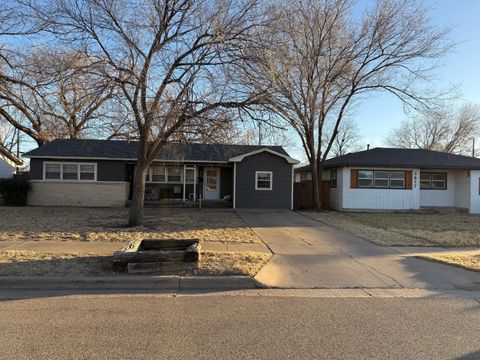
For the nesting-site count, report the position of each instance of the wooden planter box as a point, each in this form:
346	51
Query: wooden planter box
155	255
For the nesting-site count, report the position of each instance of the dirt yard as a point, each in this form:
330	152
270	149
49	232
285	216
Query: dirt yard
28	263
96	224
407	229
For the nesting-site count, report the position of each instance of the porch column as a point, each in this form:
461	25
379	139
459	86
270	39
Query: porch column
184	180
195	183
234	184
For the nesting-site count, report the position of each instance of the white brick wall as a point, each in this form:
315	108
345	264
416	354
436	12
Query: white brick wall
75	193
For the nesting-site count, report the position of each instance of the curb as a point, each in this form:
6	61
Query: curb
127	283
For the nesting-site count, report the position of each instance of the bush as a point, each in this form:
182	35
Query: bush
14	190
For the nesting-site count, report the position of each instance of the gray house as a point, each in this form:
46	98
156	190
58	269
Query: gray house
100	173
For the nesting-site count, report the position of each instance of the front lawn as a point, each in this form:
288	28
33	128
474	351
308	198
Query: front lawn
407	229
29	263
103	224
466	260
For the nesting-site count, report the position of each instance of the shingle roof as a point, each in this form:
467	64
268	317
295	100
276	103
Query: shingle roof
5	152
402	158
116	149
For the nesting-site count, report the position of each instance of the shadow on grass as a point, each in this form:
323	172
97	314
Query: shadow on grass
472	356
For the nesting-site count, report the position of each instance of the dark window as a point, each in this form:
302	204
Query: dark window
365	178
87	172
333	178
52	171
433	181
381	179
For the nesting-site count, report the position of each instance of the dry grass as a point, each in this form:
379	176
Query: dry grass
241	263
466	260
28	263
97	224
407	229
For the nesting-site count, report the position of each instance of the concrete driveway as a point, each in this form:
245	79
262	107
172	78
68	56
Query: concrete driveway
309	254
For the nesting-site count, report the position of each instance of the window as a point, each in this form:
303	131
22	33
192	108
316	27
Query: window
52	171
433	181
263	180
365	178
305	176
174	174
333	178
157	174
87	172
165	174
397	179
381	179
70	171
190	175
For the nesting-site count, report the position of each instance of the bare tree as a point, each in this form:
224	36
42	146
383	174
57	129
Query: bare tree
449	130
347	139
169	58
8	136
55	95
320	58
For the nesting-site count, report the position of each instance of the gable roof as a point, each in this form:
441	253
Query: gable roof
127	150
5	152
402	158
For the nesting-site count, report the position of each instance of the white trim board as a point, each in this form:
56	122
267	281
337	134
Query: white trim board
256	180
241	157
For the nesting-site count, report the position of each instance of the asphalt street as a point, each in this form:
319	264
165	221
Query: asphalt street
222	326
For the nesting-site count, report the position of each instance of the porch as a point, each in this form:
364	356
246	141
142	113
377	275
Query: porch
187	185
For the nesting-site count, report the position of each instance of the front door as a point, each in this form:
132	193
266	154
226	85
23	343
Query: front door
211	183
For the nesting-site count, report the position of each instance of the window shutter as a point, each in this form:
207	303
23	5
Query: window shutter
408	179
354	178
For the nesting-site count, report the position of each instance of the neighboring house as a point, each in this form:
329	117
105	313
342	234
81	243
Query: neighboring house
100	173
401	179
9	163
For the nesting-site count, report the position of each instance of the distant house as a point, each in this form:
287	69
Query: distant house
9	163
401	179
100	173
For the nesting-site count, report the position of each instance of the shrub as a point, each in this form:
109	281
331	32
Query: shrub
14	190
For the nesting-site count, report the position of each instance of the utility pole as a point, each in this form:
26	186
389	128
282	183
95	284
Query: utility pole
473	147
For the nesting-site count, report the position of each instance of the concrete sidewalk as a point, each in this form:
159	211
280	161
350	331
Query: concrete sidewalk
108	248
310	254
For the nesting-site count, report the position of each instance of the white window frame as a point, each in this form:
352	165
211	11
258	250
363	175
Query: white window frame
256	180
78	164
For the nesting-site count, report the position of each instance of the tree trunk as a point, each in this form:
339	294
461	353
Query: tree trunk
139	179
315	186
138	196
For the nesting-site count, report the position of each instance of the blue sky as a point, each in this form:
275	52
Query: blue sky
376	117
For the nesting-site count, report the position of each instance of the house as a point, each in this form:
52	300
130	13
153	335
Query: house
9	163
400	179
100	173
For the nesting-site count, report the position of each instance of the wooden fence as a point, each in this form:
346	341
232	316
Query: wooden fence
303	195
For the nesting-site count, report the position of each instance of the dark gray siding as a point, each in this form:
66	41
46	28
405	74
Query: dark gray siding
277	198
36	169
108	170
226	181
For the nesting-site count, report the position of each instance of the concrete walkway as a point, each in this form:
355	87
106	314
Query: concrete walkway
309	254
108	248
